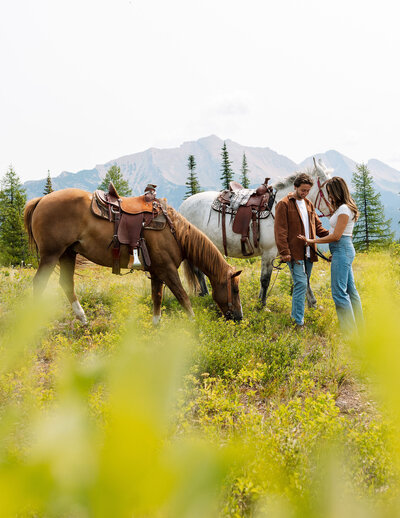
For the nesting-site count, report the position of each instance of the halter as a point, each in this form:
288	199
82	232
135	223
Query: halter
321	196
229	313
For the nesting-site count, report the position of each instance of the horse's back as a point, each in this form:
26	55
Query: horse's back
196	208
67	195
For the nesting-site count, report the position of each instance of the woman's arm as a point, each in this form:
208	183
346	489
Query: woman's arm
320	231
341	224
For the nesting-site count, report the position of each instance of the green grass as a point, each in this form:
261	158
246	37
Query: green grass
201	417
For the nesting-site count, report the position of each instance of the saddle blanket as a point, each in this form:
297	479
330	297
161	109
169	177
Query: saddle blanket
240	197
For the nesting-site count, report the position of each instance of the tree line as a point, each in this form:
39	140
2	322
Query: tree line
227	174
371	230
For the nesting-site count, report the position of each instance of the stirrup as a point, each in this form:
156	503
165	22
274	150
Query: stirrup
134	261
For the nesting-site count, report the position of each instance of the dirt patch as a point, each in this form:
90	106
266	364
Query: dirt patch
352	401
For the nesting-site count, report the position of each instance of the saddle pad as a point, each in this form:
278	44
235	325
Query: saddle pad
217	206
136	205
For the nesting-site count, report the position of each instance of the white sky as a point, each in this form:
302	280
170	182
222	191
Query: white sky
86	81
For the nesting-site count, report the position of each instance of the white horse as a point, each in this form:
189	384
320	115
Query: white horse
197	209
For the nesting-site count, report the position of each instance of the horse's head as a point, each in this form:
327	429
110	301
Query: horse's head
226	295
318	194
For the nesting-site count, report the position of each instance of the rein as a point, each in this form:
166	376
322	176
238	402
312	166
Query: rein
323	256
278	265
321	197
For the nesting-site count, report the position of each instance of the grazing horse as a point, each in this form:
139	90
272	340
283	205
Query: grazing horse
197	209
61	225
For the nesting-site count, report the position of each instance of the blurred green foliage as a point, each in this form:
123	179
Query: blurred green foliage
198	418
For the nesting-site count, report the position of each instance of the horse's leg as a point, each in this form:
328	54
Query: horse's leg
67	268
172	280
45	269
202	281
265	278
311	300
157	286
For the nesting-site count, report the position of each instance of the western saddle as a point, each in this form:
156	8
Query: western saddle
130	216
246	206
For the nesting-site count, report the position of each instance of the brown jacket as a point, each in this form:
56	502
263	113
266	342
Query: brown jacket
288	225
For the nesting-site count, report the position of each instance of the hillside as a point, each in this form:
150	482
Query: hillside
167	168
202	417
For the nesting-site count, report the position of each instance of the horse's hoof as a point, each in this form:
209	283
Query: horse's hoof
261	306
83	321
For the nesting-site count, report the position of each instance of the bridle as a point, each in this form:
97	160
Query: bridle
229	313
321	197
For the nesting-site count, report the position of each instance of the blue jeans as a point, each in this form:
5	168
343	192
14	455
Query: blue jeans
344	291
300	283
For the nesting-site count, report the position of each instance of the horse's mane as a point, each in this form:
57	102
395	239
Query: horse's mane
198	248
289	180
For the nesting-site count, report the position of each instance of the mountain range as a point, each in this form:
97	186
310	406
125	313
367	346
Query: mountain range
167	168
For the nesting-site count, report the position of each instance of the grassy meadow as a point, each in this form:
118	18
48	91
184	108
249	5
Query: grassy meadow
202	417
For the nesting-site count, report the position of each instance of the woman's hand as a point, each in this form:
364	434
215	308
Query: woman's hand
307	241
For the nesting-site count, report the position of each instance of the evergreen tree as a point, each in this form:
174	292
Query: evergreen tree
226	170
192	183
114	175
14	246
371	228
48	188
244	178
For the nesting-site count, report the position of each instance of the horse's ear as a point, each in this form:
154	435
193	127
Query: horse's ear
236	274
315	162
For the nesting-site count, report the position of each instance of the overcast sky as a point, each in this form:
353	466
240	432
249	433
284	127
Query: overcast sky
87	81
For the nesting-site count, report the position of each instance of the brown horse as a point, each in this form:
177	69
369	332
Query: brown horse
61	225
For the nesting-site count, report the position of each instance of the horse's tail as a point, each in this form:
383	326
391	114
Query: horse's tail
28	213
190	276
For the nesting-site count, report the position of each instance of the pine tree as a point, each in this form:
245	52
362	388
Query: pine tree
48	188
114	175
244	178
14	246
227	173
192	183
371	229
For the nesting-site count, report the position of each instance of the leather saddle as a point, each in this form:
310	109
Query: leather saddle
247	207
130	216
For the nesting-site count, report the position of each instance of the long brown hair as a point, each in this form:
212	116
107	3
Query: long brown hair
339	193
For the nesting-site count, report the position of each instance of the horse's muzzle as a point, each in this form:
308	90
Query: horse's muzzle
236	316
